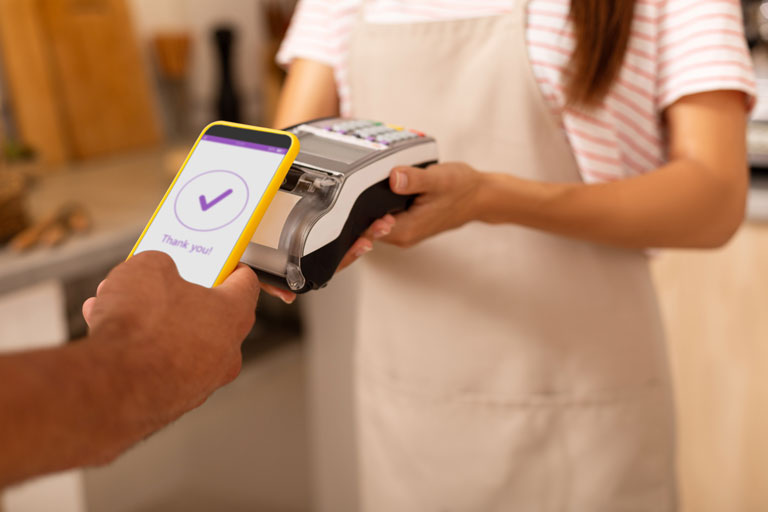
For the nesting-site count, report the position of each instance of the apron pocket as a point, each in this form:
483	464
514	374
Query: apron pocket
492	455
489	458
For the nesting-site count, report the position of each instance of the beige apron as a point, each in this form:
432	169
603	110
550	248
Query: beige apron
500	368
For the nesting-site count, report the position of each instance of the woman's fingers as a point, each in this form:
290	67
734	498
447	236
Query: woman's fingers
286	296
379	229
358	249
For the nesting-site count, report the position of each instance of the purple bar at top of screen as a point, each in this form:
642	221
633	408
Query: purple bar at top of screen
244	144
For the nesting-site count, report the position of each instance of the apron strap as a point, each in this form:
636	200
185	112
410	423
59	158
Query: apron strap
361	11
521	8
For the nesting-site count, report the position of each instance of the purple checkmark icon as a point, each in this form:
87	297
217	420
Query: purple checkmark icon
205	205
198	193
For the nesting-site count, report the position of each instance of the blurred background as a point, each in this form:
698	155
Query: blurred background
100	100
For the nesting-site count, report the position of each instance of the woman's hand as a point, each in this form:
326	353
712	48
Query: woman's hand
447	199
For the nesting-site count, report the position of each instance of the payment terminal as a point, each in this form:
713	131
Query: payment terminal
337	186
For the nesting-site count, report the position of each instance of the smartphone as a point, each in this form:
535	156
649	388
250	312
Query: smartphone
212	208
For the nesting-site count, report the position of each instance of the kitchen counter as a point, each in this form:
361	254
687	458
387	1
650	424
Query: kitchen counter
120	193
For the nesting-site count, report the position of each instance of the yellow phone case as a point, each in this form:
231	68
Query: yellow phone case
261	208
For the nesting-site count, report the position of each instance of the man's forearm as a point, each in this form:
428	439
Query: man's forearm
159	347
67	407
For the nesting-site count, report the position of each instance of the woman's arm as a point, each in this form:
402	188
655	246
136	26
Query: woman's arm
309	92
697	200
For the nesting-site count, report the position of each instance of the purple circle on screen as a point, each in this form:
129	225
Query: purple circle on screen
181	190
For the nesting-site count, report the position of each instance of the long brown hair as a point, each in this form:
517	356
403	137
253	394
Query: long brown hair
602	30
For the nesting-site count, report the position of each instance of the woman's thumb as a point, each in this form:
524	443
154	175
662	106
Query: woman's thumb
407	180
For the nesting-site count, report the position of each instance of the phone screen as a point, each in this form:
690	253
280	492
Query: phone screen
215	195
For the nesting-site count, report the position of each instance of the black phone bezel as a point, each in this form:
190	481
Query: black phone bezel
277	140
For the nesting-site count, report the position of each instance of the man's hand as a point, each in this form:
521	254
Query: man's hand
158	347
190	335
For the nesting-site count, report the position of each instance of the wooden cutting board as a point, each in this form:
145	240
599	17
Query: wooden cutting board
30	82
78	83
103	80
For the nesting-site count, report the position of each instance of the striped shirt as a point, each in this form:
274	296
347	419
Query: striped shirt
676	48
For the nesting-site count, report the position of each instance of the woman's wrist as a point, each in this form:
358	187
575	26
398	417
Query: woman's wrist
482	197
507	199
487	207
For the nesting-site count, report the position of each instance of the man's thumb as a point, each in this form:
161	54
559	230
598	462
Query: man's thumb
243	283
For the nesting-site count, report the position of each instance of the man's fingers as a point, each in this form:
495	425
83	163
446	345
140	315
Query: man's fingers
409	180
88	309
243	283
286	296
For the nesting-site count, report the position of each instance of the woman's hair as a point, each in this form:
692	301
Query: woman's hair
602	35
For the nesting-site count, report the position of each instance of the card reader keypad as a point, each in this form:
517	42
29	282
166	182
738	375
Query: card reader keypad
373	131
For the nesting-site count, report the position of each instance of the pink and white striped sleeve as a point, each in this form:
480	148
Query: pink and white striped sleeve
701	47
321	30
311	34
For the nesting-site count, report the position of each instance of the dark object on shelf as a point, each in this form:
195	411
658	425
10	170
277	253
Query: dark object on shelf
228	102
751	15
